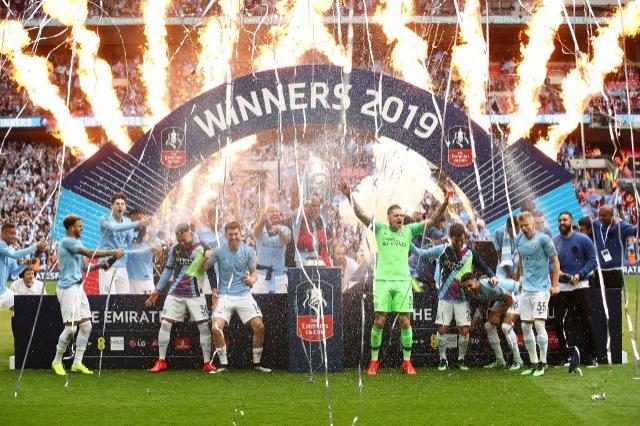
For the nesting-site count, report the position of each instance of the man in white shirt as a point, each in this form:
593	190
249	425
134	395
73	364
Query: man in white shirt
25	286
28	285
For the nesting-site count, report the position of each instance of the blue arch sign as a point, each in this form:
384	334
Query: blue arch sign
492	178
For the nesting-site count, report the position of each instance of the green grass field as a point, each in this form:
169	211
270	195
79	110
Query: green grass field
242	397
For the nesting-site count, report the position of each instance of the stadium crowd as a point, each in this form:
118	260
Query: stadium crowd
186	8
186	82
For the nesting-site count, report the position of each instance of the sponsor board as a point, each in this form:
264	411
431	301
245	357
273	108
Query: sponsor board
116	343
182	343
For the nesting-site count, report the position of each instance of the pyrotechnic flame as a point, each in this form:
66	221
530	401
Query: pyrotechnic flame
94	73
303	30
32	73
216	172
203	184
410	50
154	68
587	79
532	71
469	58
217	41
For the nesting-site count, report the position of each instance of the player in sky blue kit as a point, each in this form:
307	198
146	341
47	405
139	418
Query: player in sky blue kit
504	241
140	259
237	273
116	232
536	250
501	297
185	294
8	265
271	244
74	305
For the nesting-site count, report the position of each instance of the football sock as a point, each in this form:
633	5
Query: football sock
530	342
222	355
442	346
84	331
205	341
542	339
406	339
63	342
512	340
463	344
163	338
257	355
376	342
494	340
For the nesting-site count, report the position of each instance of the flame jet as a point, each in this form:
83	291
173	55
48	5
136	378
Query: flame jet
217	42
410	50
94	73
532	71
32	73
303	30
155	65
587	79
470	60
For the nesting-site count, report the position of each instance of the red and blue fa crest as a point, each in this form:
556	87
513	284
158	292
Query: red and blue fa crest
314	316
459	152
174	152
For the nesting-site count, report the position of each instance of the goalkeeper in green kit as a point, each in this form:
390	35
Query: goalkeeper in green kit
392	290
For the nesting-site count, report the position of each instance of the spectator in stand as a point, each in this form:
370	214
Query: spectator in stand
311	235
347	265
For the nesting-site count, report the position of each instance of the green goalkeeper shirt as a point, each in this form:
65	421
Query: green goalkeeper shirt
393	250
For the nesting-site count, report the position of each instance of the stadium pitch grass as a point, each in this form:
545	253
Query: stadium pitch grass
245	397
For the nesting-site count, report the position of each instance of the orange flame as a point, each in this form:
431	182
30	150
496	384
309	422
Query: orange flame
154	67
533	69
32	73
471	61
587	79
94	73
303	30
217	41
410	50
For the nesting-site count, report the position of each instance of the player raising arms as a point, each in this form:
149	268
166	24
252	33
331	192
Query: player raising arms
185	294
536	250
392	291
501	299
74	305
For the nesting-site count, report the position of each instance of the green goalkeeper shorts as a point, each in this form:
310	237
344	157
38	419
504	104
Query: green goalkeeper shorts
392	296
